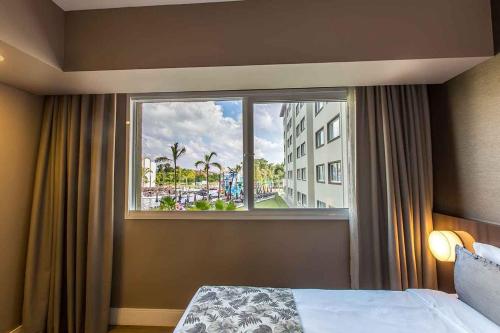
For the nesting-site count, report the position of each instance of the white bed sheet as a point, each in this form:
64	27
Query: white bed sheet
363	311
411	311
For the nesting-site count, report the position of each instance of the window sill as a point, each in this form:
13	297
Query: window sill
261	214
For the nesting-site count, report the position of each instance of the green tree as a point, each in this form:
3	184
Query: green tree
206	164
177	152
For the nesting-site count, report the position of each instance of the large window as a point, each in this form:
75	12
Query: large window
335	172
320	173
320	138
234	152
333	128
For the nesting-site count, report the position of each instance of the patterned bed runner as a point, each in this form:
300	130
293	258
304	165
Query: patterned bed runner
242	310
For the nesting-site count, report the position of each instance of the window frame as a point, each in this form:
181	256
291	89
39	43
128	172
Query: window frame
249	98
340	128
335	182
322	130
317	173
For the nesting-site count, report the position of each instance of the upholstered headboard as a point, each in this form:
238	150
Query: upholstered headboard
480	231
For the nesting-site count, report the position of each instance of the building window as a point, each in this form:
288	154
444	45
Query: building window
303	149
333	129
299	198
320	204
187	152
318	106
335	172
320	138
320	173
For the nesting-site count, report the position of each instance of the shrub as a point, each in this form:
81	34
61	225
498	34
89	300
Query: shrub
230	206
203	205
219	205
167	203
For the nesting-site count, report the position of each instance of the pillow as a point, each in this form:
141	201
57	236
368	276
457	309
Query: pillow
489	252
477	282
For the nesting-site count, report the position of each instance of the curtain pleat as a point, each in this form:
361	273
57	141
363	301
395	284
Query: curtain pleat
69	259
393	188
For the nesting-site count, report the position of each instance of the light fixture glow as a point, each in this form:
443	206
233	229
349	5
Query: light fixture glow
2	58
442	245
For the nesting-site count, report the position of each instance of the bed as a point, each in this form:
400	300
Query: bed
331	311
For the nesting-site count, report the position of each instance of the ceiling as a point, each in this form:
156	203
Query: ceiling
69	5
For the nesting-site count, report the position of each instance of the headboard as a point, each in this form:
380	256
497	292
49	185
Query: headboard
480	231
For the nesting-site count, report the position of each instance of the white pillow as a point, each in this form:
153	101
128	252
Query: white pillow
489	252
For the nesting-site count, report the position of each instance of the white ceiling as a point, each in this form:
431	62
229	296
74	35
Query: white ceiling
68	5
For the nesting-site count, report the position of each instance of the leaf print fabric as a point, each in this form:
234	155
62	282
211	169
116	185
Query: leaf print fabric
221	309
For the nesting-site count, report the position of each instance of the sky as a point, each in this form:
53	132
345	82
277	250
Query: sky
208	126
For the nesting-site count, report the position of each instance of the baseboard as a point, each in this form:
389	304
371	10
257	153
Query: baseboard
17	330
145	317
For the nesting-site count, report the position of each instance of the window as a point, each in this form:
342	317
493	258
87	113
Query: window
335	172
320	173
320	204
320	138
193	152
318	107
333	129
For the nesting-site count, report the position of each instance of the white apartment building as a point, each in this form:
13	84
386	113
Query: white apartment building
315	149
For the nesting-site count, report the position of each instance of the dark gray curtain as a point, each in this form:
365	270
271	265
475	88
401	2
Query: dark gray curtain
393	188
68	269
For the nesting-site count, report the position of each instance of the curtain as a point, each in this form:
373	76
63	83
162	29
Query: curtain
69	258
392	198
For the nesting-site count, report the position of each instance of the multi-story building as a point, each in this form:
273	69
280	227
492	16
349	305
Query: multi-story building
315	150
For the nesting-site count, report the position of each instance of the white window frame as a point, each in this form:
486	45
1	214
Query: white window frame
249	99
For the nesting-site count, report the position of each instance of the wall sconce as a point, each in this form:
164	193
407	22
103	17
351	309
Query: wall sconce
442	245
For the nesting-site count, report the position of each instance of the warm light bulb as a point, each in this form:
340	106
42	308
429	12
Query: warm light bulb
2	58
442	245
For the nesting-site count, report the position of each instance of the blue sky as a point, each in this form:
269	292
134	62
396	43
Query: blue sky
203	127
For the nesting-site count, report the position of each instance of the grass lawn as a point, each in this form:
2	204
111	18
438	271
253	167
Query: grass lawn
276	202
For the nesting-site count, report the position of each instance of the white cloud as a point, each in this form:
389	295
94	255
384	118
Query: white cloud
199	126
202	127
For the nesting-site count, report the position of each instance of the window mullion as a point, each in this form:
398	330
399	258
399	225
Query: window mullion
248	152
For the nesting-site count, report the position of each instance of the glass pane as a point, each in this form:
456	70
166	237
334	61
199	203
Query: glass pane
292	159
192	154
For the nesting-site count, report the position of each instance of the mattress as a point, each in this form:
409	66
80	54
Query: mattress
410	311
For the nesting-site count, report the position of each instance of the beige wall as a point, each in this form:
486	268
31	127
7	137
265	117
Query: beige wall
466	143
161	263
256	32
35	27
20	120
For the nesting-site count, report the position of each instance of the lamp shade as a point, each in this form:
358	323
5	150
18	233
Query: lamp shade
442	245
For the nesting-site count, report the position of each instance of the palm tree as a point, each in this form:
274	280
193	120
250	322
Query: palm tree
177	152
233	172
206	164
